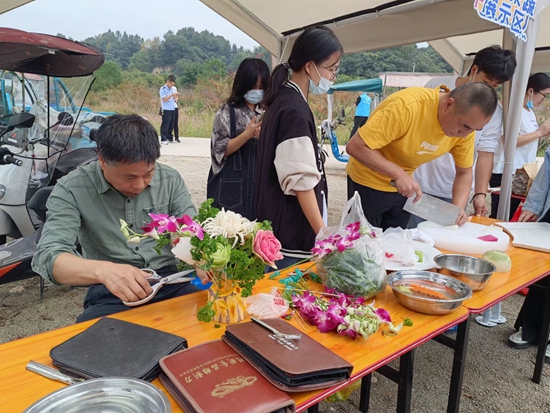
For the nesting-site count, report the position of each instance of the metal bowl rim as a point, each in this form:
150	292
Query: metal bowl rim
464	272
438	275
141	384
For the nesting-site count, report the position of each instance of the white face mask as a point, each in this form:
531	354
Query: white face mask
254	96
323	86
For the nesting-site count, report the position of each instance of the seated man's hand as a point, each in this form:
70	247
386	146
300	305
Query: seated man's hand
408	187
126	282
203	275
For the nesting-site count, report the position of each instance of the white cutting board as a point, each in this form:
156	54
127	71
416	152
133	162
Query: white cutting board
464	239
530	235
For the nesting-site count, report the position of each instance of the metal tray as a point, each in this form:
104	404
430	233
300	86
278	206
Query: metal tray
109	394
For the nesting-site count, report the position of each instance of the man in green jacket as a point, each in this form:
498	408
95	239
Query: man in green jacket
125	183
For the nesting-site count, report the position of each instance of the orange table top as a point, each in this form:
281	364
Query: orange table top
20	388
528	266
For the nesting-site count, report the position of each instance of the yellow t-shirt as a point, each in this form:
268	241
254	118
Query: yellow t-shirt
405	129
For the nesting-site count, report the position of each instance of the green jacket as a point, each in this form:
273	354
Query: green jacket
84	206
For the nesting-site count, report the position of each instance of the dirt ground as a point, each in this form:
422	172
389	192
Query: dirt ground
496	377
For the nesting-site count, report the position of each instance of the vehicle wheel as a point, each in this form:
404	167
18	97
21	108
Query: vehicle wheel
323	156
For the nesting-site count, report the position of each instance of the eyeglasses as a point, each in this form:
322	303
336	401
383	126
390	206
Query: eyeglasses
543	95
333	71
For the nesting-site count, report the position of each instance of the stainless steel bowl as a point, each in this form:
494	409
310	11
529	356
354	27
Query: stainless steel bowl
109	394
456	290
475	272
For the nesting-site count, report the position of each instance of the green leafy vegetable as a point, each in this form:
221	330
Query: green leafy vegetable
352	273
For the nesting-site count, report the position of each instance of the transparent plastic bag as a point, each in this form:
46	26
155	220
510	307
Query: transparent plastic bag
399	246
345	393
265	305
358	270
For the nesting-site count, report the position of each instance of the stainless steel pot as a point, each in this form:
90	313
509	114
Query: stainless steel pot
456	291
472	271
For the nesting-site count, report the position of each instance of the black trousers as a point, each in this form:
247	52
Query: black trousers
175	126
382	209
496	180
99	301
530	315
358	121
167	125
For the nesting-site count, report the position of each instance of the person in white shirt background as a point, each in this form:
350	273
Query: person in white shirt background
493	66
175	127
538	88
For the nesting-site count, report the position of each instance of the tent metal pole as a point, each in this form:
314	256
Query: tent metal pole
524	55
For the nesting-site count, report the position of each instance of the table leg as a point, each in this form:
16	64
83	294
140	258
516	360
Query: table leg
313	409
543	340
404	392
459	362
364	400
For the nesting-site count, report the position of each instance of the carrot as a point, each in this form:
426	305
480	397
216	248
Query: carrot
417	288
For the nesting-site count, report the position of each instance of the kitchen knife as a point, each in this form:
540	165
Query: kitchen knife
432	209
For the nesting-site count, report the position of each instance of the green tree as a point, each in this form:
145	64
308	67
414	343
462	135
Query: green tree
107	76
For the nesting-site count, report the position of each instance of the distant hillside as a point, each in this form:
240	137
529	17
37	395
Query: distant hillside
189	54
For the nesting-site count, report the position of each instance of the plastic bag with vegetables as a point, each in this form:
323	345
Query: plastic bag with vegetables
350	257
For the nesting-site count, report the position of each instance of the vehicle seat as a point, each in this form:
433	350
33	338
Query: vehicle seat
38	202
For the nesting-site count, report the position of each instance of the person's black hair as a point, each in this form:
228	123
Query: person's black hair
127	139
497	63
475	94
315	44
538	82
171	78
246	77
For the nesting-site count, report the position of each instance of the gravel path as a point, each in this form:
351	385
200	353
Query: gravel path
496	379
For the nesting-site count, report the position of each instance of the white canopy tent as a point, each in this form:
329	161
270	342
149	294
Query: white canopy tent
375	24
532	57
7	5
359	24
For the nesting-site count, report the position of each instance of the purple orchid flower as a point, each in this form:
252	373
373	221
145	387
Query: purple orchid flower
163	223
324	321
354	227
383	315
187	224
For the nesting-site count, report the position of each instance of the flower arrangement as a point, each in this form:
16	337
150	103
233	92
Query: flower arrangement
334	311
232	250
351	260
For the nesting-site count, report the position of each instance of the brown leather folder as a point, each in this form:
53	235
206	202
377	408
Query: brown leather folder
291	365
212	377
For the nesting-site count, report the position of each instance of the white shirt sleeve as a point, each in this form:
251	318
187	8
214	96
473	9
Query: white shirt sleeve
491	133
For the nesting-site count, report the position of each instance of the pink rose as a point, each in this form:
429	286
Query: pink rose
267	247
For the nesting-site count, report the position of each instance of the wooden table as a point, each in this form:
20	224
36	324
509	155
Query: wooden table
528	267
20	388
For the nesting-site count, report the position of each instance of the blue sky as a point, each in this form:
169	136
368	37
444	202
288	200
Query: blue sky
148	18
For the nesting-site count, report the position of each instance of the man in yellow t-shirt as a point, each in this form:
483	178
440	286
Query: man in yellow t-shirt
409	128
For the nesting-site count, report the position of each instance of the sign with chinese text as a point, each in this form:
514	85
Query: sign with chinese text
513	14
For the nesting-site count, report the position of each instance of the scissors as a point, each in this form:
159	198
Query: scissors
156	281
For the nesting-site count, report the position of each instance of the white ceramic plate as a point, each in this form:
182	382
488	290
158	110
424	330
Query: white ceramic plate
428	263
